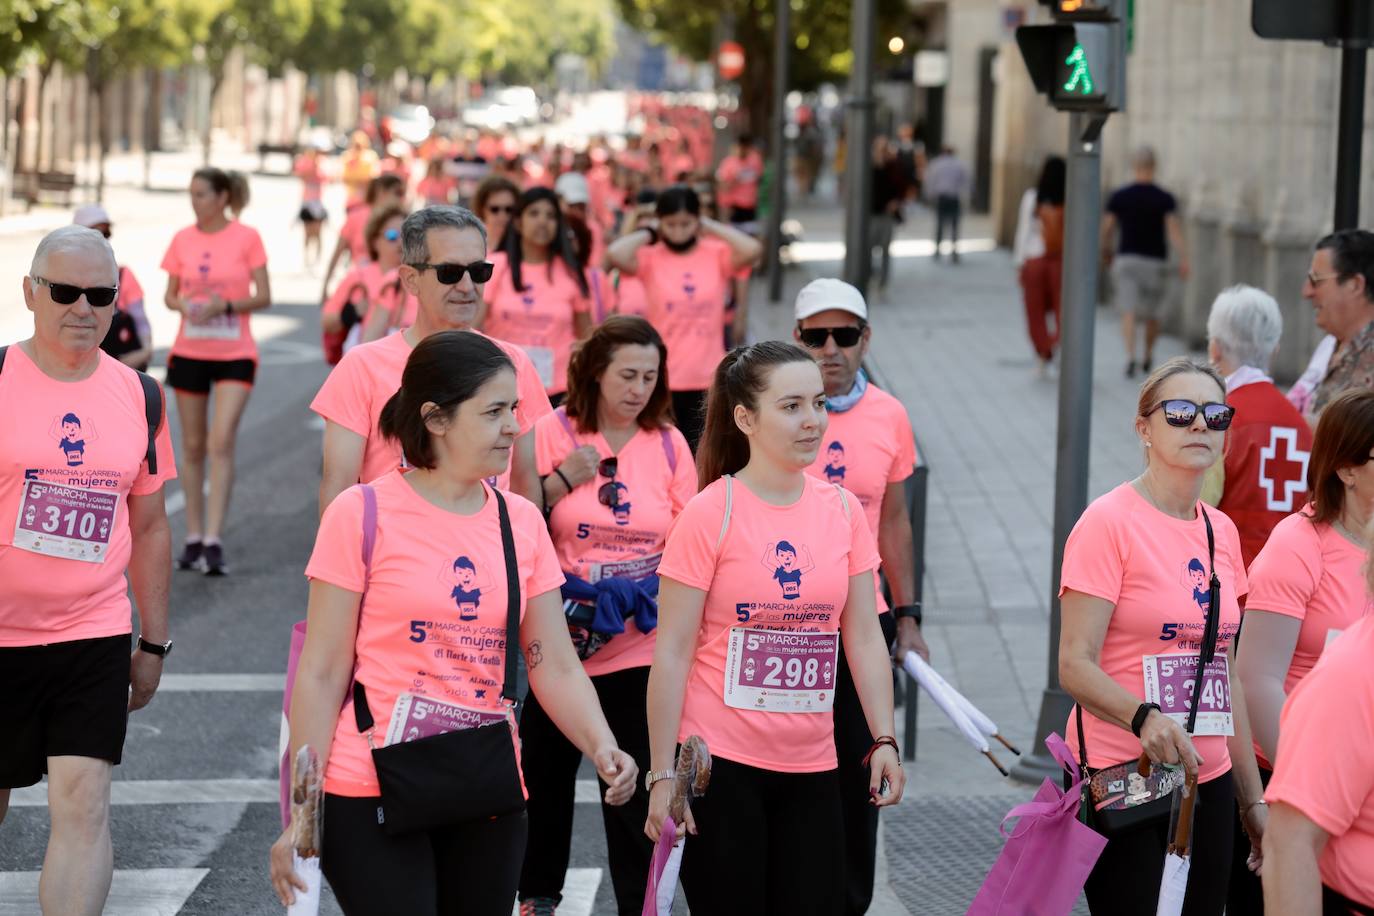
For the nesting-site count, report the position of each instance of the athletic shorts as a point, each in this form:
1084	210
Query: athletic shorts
1142	285
198	376
69	699
312	211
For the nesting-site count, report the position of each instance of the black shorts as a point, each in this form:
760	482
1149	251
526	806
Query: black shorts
743	214
312	211
198	376
71	700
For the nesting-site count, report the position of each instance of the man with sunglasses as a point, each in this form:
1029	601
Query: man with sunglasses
81	499
1340	286
871	430
443	250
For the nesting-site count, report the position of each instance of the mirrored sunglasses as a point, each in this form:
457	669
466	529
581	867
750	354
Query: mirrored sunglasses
1181	413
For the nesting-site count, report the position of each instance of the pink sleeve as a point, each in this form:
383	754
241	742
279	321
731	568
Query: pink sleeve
689	556
727	265
1285	574
130	291
344	397
147	483
684	485
863	551
905	460
1236	560
337	299
645	257
1093	563
544	457
534	400
171	261
337	557
726	172
253	251
545	572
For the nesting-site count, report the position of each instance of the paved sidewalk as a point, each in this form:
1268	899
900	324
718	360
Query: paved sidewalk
950	341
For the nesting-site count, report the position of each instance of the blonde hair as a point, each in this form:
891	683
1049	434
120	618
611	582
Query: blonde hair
1179	365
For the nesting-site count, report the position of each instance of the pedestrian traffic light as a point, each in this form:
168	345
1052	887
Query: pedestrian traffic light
1080	60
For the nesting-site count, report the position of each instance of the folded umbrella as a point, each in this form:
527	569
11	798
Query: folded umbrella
692	777
954	705
976	715
1173	885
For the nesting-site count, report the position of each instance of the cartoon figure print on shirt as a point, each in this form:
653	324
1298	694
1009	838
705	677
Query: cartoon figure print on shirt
1196	578
621	508
72	435
466	592
834	462
788	563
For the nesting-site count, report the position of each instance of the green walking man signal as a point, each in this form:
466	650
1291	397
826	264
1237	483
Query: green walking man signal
1079	62
1080	78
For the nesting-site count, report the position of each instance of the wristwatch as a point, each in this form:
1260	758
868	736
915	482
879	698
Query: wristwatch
908	610
654	776
159	649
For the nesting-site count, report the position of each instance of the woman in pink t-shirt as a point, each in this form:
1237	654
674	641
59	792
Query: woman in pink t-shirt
1306	587
433	630
494	204
216	277
538	296
763	573
615	474
1136	603
382	191
310	169
367	293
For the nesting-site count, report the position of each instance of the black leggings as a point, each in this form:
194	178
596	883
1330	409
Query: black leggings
550	762
469	869
689	415
1125	881
1246	896
767	843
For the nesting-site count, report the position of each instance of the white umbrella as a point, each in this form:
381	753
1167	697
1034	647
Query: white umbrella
1173	886
307	809
955	706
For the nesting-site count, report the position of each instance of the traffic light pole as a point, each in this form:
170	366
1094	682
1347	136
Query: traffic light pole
1350	135
858	191
1082	226
777	198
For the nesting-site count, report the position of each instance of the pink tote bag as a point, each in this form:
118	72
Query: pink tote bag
1048	854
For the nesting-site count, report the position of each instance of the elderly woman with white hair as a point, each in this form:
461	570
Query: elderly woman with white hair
1262	476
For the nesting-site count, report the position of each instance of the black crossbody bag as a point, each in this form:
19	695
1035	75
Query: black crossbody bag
464	775
1127	795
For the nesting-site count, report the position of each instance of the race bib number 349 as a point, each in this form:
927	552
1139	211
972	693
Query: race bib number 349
781	671
1171	681
61	521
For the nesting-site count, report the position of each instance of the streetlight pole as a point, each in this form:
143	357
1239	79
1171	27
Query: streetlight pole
777	197
858	253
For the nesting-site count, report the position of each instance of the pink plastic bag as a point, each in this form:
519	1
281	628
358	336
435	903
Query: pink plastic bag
298	644
663	871
1048	854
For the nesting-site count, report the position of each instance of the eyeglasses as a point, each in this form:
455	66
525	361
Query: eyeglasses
66	294
449	274
1316	279
391	235
815	338
1182	413
499	209
609	493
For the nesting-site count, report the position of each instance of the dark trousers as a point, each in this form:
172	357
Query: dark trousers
947	210
852	741
550	763
689	413
1125	881
767	843
1042	284
469	869
1246	895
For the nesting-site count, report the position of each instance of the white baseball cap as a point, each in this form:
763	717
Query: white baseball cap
828	293
90	216
572	187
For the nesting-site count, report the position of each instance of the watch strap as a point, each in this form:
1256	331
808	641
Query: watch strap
154	648
908	610
654	776
1141	714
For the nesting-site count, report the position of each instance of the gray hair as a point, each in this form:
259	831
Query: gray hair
1143	157
1246	324
415	230
73	238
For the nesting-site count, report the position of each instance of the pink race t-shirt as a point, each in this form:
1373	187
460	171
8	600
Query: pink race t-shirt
596	541
433	621
1326	740
64	548
220	262
1154	569
539	319
631	297
867	448
739	178
775	586
368	375
686	296
361	281
312	176
353	232
129	290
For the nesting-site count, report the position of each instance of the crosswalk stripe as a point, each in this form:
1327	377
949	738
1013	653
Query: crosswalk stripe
134	891
579	892
210	792
225	683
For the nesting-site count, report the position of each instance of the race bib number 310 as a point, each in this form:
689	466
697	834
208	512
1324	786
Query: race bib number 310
69	522
1171	680
781	671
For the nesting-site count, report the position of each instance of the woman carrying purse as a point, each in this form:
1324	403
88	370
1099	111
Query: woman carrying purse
424	806
1142	570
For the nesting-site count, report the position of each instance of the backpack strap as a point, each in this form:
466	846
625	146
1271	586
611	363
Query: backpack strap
729	500
2	356
369	525
597	298
567	425
669	452
844	500
152	410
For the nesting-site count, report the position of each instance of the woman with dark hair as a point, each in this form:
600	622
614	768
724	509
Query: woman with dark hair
417	543
494	204
687	264
538	296
216	276
615	474
1042	273
366	296
1306	588
382	191
745	658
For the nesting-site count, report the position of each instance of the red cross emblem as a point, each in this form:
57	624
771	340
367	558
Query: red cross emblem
1283	469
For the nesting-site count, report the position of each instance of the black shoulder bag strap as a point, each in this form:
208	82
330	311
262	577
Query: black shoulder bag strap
152	409
362	714
1206	653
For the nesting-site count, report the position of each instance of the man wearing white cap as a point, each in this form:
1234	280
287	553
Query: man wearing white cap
576	195
869	448
130	338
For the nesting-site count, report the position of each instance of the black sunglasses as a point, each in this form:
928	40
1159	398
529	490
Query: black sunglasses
609	493
844	337
66	294
1178	412
449	274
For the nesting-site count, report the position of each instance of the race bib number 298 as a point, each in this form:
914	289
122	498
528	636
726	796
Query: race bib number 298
781	671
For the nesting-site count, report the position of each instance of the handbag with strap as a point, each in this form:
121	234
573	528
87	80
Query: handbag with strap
463	775
1127	795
